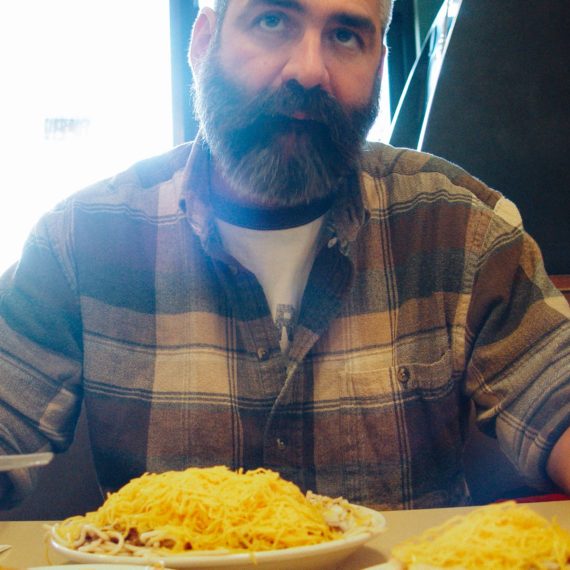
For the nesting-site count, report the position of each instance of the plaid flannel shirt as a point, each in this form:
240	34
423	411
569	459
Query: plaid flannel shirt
426	295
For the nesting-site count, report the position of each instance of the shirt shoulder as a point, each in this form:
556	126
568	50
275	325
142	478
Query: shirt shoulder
426	172
424	189
126	208
136	187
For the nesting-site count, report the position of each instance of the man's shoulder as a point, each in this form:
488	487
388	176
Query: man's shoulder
158	169
139	199
135	185
397	166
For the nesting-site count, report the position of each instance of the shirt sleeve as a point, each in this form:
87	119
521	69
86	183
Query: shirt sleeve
40	350
519	367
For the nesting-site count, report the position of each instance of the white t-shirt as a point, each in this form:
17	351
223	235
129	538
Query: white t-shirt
281	260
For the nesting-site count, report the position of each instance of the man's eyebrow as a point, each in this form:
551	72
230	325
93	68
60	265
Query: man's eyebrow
354	21
291	4
344	18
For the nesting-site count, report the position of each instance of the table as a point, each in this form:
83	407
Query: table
29	549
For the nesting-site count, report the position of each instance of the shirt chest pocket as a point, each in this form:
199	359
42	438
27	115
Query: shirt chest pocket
376	414
425	381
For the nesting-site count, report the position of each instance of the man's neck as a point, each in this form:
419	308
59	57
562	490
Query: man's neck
247	212
256	218
219	186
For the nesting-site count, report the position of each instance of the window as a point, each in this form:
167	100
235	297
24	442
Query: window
86	91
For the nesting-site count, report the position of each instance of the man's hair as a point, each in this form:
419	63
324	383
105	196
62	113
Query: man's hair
385	6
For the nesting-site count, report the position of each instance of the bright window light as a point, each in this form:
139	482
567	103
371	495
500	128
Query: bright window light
86	91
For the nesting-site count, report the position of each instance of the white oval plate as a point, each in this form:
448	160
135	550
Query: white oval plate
296	558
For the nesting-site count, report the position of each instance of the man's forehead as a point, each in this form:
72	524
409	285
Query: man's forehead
362	13
212	3
370	6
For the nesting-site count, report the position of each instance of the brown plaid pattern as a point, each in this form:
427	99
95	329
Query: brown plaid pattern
427	294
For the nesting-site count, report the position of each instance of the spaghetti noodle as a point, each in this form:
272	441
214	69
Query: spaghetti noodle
503	536
208	509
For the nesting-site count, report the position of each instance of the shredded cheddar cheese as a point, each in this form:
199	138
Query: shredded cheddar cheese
504	536
200	509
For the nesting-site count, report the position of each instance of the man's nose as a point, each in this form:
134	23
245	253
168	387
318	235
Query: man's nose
306	63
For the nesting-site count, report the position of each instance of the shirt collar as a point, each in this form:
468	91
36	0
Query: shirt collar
348	213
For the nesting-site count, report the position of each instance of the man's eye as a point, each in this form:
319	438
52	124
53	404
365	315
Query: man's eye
271	22
347	38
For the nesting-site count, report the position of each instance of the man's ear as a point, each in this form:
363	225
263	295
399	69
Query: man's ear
202	35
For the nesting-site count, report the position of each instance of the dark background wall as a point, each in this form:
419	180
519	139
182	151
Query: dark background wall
501	110
411	21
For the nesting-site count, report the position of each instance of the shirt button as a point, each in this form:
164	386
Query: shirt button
262	354
332	242
403	375
281	445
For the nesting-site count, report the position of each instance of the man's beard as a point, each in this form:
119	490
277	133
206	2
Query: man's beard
268	156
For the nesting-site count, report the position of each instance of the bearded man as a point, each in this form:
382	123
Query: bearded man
281	293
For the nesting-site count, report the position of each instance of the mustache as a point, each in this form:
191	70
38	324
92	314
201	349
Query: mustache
289	100
264	116
280	110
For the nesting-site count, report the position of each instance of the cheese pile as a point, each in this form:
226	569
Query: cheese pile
201	509
503	536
